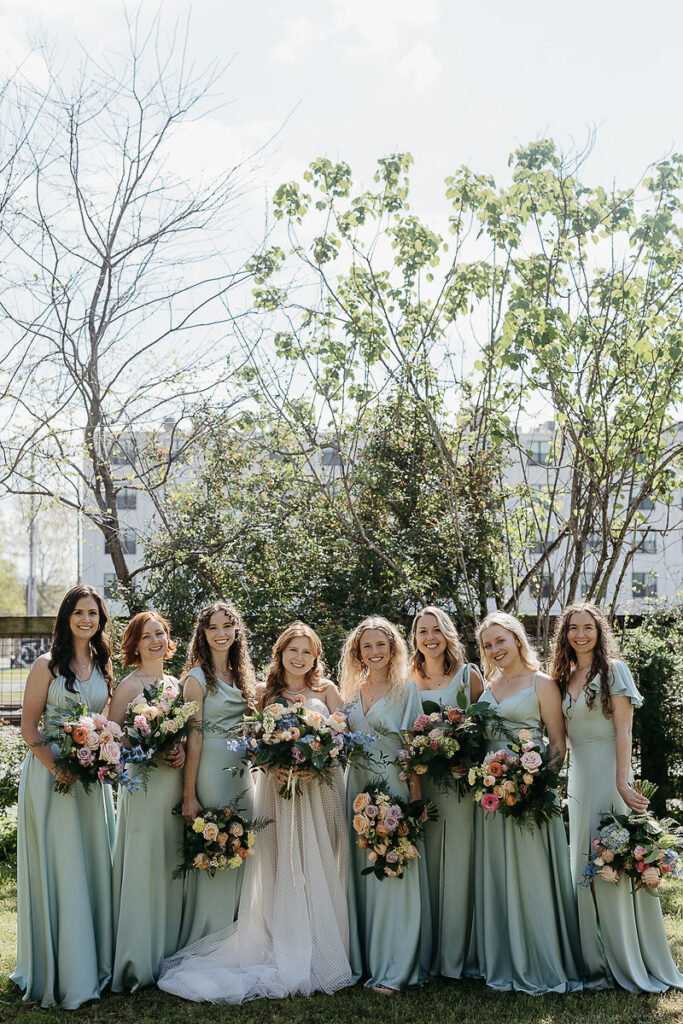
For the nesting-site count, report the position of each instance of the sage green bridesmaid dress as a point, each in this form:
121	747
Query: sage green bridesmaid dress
65	932
389	920
525	935
449	843
622	933
148	901
212	903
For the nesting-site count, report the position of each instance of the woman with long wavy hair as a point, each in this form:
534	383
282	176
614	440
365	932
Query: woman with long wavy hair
390	921
622	932
292	933
219	676
439	669
64	943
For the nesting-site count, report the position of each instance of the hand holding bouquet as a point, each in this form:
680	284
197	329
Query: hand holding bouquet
297	740
218	839
389	829
520	783
89	749
158	720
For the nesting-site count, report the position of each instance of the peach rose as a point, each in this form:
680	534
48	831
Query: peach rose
111	752
499	791
510	799
210	832
489	780
222	839
403	829
372	856
361	823
361	802
380	849
80	734
528	779
381	829
608	874
509	786
651	877
235	829
363	842
525	735
607	856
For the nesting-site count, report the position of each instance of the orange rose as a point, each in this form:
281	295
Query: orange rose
361	802
381	829
222	839
510	799
210	832
363	842
499	791
403	829
495	768
80	734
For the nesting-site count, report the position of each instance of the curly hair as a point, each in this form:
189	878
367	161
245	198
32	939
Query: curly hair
453	657
604	653
352	670
239	660
131	637
511	625
62	645
275	679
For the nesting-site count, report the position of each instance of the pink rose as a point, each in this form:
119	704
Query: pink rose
67	727
531	761
85	756
140	723
111	752
608	874
639	852
607	856
92	740
102	772
171	726
116	730
100	721
420	722
640	865
490	802
651	877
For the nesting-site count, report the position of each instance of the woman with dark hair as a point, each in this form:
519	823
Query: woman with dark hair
64	943
219	675
148	900
622	932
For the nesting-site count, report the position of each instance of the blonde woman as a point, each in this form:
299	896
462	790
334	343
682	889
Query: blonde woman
390	921
439	670
525	934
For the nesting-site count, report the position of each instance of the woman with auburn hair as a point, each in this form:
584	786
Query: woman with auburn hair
292	932
525	935
64	942
148	901
219	676
390	921
440	672
622	932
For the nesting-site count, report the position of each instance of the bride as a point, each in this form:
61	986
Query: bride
291	936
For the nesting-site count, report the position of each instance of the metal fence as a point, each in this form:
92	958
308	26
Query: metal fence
22	640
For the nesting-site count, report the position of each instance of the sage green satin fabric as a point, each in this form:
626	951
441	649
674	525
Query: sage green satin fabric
525	935
625	939
389	920
65	931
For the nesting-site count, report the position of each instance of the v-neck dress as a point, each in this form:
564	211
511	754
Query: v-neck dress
622	933
211	904
64	841
525	935
449	845
389	920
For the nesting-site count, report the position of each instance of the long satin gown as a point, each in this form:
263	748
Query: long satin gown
390	920
449	843
148	901
525	934
64	841
212	903
622	933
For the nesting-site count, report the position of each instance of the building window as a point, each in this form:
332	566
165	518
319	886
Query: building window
122	452
594	542
644	585
647	543
127	498
539	452
110	583
330	457
128	543
646	505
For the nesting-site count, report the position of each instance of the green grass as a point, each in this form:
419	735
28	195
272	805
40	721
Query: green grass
437	1003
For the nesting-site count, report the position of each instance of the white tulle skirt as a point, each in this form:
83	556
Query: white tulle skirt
292	932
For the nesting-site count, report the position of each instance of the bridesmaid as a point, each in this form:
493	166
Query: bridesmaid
526	932
220	677
622	933
64	946
148	901
389	920
440	672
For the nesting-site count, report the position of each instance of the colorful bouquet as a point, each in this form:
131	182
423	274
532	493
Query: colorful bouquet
445	742
88	747
389	829
520	783
158	719
296	739
635	846
219	839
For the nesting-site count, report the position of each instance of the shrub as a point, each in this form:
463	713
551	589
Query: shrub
12	753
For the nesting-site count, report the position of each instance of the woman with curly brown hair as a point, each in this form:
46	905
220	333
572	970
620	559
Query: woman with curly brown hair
622	933
219	675
64	839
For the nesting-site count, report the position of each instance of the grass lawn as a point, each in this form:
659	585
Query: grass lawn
437	1003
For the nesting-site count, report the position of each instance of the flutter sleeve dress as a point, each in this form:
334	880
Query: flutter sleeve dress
389	919
622	933
64	841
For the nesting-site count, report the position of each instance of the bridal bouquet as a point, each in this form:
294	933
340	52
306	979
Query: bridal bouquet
158	719
389	829
444	743
635	846
89	747
219	839
297	739
519	784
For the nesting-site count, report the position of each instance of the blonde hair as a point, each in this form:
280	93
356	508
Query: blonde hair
453	657
352	671
511	625
275	679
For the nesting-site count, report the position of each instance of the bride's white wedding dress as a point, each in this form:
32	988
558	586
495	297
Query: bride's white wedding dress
291	936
